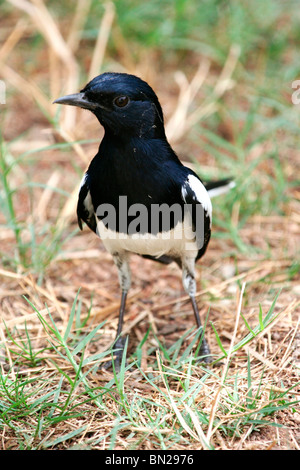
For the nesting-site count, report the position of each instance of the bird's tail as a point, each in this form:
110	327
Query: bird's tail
215	188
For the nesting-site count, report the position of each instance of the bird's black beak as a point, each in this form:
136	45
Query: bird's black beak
78	99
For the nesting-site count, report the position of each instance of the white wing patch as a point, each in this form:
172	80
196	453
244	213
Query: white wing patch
87	201
88	204
83	181
201	194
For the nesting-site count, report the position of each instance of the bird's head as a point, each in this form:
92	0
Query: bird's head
124	104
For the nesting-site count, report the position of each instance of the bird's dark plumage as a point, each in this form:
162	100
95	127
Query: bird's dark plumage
137	173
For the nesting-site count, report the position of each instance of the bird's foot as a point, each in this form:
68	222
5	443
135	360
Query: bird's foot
204	352
118	351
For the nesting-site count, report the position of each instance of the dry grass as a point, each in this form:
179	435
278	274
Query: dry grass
161	402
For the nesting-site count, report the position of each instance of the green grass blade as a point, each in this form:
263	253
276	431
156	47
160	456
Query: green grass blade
219	340
64	438
82	344
71	318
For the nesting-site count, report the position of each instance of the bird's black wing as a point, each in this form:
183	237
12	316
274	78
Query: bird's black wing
213	188
85	208
198	207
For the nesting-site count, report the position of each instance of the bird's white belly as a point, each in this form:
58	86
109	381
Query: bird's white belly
174	242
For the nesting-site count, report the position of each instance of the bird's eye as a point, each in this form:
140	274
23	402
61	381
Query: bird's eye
121	101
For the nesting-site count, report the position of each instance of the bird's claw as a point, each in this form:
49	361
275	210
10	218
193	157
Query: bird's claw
204	353
118	351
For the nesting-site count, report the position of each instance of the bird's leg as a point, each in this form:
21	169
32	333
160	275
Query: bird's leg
189	284
119	342
205	353
121	262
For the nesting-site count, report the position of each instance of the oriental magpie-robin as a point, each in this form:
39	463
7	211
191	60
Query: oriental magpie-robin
137	172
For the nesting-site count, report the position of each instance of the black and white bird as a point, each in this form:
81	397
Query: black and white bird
136	194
